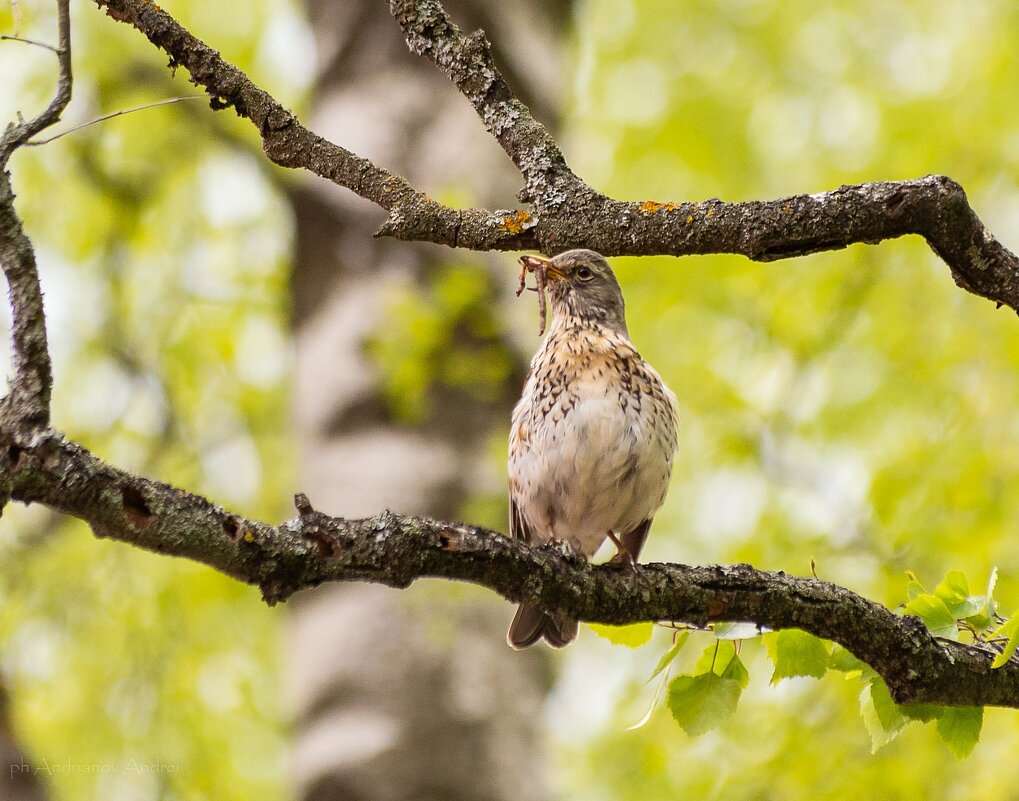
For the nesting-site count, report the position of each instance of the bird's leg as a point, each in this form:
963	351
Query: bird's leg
629	545
623	557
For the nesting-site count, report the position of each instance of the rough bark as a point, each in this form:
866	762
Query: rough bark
395	550
564	211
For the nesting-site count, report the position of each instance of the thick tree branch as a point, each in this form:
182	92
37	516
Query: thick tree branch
565	212
396	550
468	62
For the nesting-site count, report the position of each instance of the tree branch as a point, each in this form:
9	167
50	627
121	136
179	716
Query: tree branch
395	550
565	212
288	143
29	398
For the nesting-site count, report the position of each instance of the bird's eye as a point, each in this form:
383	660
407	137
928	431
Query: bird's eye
585	273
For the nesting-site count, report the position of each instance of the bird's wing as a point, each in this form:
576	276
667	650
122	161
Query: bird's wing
519	530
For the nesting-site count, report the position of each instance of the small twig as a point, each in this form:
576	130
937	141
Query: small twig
47	140
14	136
16	13
6	38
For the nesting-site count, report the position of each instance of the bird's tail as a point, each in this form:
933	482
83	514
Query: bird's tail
531	623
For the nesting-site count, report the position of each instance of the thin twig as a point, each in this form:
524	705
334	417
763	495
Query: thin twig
14	136
47	140
6	38
16	13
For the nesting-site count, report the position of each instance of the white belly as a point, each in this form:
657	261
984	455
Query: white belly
586	464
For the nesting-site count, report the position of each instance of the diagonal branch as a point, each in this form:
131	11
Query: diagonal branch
16	135
468	62
395	550
288	143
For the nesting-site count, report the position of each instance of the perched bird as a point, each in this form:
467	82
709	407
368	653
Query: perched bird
593	436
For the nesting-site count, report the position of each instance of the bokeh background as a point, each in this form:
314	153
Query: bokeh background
854	409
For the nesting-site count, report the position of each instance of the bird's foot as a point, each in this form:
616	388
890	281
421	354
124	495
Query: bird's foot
623	560
565	549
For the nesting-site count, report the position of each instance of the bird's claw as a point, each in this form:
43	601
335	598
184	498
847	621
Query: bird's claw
623	560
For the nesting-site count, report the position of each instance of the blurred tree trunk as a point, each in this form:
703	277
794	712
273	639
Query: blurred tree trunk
404	695
20	781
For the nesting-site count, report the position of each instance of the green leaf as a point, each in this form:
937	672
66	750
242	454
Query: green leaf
882	717
935	615
844	662
954	591
924	713
1009	629
715	658
735	631
632	636
984	618
671	654
914	588
954	585
737	671
702	703
796	653
960	728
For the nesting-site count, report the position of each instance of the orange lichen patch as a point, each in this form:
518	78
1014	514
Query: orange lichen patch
651	206
689	219
517	223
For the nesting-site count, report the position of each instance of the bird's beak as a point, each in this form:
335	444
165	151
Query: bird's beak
532	263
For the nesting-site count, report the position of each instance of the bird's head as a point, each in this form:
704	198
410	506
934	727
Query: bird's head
582	287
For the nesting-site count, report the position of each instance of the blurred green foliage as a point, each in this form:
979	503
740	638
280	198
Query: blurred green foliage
440	334
855	408
163	240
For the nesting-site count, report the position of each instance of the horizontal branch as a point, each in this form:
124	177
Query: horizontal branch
564	211
396	550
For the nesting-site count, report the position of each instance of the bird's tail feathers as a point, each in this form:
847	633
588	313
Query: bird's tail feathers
531	623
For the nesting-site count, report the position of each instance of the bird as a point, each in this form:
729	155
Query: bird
593	437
